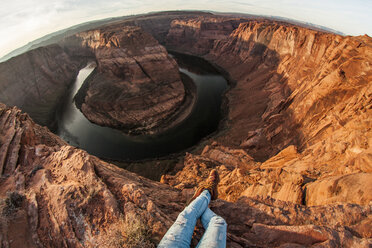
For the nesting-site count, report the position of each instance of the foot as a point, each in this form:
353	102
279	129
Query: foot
210	184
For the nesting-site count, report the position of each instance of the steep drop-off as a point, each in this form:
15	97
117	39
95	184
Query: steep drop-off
37	81
55	195
128	90
292	84
301	105
296	87
294	152
63	197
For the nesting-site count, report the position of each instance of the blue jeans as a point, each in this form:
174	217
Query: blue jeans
180	233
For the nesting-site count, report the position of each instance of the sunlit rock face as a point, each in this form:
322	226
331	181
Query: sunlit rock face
300	105
293	154
298	126
288	79
62	196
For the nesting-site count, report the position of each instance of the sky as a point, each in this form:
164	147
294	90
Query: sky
22	21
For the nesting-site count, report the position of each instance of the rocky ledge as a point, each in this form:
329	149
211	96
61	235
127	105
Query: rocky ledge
292	86
136	86
294	154
55	195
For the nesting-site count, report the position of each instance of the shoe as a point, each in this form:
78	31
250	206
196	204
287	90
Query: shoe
210	184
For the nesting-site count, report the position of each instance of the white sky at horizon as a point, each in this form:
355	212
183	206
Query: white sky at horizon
22	21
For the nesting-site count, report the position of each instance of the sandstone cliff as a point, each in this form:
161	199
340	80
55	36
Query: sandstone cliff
305	96
55	195
64	197
288	79
197	35
294	151
299	121
128	90
37	80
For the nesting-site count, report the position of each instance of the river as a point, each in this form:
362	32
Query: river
109	143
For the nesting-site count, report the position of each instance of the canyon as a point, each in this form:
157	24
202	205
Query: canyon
128	91
50	71
293	147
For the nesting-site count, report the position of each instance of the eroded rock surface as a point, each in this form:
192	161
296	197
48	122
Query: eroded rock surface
286	176
36	81
136	86
197	35
68	198
294	153
293	86
299	123
302	95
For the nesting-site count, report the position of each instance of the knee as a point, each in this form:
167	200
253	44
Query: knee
188	212
218	221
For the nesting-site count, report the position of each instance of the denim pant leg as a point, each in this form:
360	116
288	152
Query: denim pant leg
180	233
215	230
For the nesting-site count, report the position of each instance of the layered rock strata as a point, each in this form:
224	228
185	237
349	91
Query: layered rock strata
294	155
55	195
200	33
136	86
300	105
288	176
68	198
298	87
293	85
298	127
37	81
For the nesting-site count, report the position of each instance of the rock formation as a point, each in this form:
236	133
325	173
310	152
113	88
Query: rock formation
37	80
200	33
300	106
301	90
55	195
67	197
278	70
286	177
128	90
293	151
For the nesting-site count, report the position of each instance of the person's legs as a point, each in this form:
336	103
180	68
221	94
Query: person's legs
180	233
215	230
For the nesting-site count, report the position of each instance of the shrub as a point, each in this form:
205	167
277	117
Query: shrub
130	232
13	201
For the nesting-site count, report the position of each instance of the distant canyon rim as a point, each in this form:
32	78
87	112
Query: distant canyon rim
293	150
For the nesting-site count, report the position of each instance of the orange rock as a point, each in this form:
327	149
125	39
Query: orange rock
293	155
352	188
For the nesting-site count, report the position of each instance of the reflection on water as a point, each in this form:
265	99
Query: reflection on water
110	143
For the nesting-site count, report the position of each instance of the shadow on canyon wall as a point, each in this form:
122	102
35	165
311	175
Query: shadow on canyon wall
37	81
262	119
262	124
259	119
